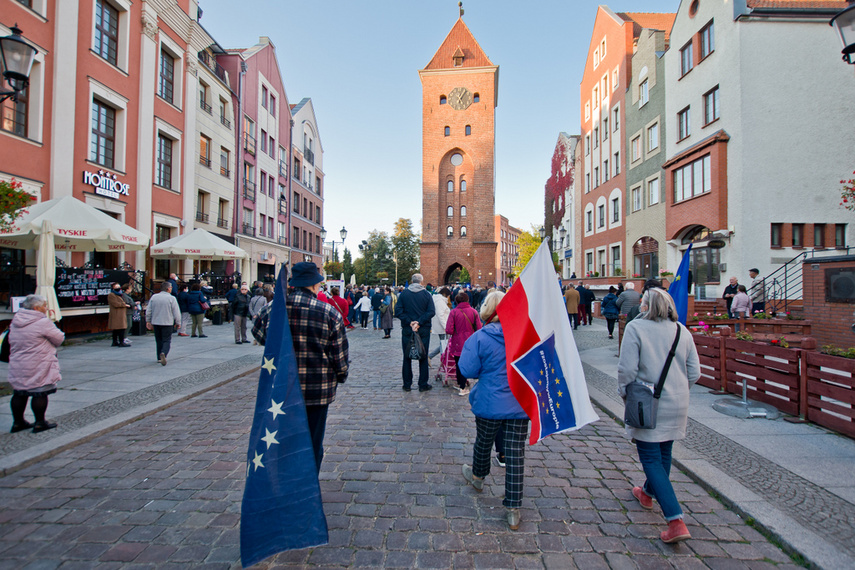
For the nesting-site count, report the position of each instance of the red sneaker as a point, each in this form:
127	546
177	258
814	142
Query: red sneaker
643	498
676	532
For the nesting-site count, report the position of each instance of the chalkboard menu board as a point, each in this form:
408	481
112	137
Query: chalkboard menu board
76	287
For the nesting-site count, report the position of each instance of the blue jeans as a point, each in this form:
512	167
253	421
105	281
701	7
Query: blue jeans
655	459
377	316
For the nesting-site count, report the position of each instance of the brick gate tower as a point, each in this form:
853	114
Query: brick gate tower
459	90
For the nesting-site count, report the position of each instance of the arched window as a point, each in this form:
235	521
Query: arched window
451	185
468	130
450	211
463	186
442	100
450	231
463	211
447	131
476	98
462	231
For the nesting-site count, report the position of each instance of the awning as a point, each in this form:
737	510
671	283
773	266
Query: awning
198	244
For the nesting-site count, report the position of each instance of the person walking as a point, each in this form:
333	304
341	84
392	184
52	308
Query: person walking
195	298
320	347
387	310
33	365
340	303
647	341
415	310
463	322
582	296
571	301
183	306
240	312
610	310
163	317
129	314
442	308
495	408
629	299
230	297
117	321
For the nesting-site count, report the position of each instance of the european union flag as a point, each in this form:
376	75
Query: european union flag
541	370
282	508
679	289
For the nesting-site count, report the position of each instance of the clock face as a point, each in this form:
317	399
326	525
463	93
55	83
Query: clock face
460	98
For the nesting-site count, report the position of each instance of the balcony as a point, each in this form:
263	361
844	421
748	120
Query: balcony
225	172
283	240
210	62
283	169
205	107
202	217
226	123
223	223
249	143
283	207
248	229
309	155
249	190
204	160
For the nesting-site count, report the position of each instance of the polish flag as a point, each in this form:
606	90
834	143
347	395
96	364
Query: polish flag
544	369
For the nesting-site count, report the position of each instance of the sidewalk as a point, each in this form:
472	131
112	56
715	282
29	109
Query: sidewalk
103	387
795	480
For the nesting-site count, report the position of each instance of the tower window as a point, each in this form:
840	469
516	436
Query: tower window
447	131
451	185
476	98
463	186
462	231
468	130
449	231
442	100
463	211
450	211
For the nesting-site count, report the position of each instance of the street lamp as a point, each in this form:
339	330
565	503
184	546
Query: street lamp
844	22
342	233
542	231
17	57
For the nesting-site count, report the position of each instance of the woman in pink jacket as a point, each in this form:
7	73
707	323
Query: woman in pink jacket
33	366
462	323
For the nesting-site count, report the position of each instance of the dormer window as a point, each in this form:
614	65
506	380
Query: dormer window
458	57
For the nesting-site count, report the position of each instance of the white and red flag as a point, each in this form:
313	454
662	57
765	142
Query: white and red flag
544	369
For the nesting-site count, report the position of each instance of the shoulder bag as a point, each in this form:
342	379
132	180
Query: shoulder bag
642	398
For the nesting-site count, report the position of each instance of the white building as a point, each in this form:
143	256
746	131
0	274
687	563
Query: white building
307	181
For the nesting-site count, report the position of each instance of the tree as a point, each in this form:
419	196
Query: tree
13	202
334	268
347	265
405	244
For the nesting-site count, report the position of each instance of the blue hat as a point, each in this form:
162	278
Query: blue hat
304	274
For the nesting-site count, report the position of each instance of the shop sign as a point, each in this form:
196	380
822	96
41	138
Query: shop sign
106	184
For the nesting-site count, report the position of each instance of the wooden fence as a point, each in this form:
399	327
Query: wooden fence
829	385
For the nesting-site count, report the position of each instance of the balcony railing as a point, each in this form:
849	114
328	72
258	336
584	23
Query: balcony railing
206	107
202	217
249	143
227	123
225	172
223	223
210	62
204	160
249	190
283	207
309	155
248	229
283	169
283	240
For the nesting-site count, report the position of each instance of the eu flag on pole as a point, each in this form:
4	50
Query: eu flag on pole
679	289
544	369
282	508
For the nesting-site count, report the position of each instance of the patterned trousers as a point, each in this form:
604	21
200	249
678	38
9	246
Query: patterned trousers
515	433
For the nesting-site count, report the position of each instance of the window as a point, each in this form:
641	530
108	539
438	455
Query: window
604	82
587	110
263	141
476	98
297	168
264	96
686	60
589	220
615	210
225	161
635	196
203	98
683	126
14	113
224	120
296	203
819	235
204	151
272	104
468	130
653	137
635	148
839	235
271	147
693	179
596	137
450	211
449	231
106	31
643	93
601	216
595	95
605	129
587	145
463	186
103	134
711	106
707	40
447	131
596	176
603	48
451	185
615	258
589	261
262	182
462	231
798	235
463	211
164	162
442	100
596	57
318	214
616	119
653	192
166	87
617	163
587	182
271	186
606	170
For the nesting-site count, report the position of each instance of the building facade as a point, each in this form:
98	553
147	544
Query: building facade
307	200
560	202
459	97
645	133
737	172
508	251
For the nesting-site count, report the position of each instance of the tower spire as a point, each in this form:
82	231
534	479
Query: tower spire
460	4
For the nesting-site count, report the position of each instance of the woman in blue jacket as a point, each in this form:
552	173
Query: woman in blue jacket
195	298
495	408
610	310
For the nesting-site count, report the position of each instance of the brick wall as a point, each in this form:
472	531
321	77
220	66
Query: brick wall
832	322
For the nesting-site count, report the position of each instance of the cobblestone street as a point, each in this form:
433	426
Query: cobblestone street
165	491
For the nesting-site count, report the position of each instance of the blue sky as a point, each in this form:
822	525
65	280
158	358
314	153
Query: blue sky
359	61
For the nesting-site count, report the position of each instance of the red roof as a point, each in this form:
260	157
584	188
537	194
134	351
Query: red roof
651	21
459	38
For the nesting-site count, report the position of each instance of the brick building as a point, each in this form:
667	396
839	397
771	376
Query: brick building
508	251
459	97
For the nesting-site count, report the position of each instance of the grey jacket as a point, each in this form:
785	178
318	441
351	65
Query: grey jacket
163	310
643	353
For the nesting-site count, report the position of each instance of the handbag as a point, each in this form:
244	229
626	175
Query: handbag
203	302
5	348
642	398
383	309
416	349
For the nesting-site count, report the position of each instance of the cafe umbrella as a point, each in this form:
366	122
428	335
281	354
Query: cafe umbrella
198	244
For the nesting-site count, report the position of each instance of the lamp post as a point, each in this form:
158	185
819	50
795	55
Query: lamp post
17	58
844	23
342	233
